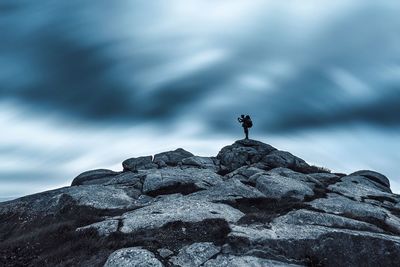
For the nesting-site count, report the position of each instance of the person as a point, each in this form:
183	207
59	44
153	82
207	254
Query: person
246	124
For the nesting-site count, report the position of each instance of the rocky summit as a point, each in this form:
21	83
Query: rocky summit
250	205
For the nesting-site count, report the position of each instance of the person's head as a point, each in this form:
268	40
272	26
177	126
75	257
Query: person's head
242	116
247	117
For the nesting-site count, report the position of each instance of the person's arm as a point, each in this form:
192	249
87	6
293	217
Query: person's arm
240	120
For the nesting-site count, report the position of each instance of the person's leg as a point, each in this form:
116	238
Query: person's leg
246	132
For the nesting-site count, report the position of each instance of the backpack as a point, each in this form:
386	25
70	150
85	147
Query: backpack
249	123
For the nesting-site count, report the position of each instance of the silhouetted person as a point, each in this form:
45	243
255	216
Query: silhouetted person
246	124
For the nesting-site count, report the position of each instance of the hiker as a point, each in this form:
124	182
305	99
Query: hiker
246	124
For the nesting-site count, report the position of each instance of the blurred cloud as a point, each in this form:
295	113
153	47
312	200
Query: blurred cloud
77	75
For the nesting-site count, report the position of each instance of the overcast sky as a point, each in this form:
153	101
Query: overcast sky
87	84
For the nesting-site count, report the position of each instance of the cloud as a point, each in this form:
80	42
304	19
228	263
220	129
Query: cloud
305	63
74	70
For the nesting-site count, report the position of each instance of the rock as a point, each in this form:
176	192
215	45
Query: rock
301	177
244	173
169	197
134	256
182	209
140	163
359	187
195	254
40	204
275	186
144	200
397	206
315	245
103	228
131	179
241	261
380	202
171	158
202	162
337	204
340	205
285	159
98	197
325	178
53	201
128	178
175	180
164	252
226	191
374	176
93	177
302	216
243	152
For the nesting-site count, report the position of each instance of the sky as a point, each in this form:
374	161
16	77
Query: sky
87	84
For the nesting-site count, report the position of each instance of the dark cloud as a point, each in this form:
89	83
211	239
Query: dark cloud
315	101
74	64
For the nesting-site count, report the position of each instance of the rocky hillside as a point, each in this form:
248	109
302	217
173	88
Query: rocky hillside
251	205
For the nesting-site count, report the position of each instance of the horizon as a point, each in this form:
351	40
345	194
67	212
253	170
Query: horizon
86	86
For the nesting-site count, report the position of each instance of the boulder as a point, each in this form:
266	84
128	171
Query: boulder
302	216
176	180
305	178
195	254
241	261
134	256
244	173
202	162
314	245
171	158
285	159
140	163
98	176
276	186
95	196
52	202
243	152
181	209
131	179
359	187
227	191
361	211
374	176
